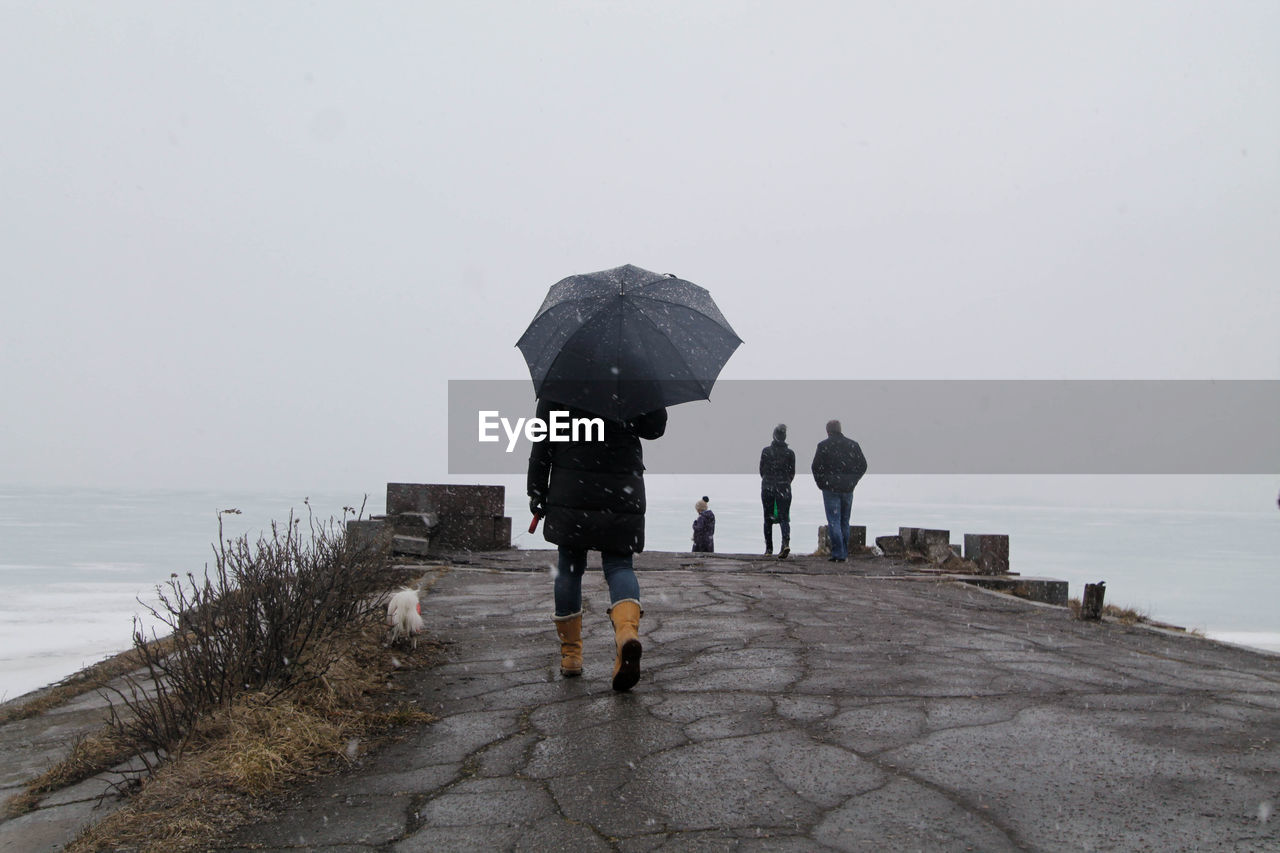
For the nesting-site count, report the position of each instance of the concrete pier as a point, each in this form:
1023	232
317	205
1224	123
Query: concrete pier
783	705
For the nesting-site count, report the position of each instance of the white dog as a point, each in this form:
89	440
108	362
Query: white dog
404	615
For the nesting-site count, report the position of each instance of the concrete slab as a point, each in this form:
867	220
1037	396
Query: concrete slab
807	710
1044	590
29	747
327	822
48	829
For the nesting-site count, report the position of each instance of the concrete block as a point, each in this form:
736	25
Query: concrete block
1091	604
413	545
908	537
502	532
857	539
934	544
415	523
989	551
472	533
1044	590
957	564
369	532
446	499
890	546
454	517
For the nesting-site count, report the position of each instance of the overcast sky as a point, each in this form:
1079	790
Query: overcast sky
248	243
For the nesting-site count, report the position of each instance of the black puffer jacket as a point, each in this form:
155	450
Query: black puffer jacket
593	491
777	469
839	464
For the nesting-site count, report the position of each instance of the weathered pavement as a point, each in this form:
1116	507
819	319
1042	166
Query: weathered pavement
30	746
809	712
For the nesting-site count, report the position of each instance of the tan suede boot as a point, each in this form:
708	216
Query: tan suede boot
625	616
570	630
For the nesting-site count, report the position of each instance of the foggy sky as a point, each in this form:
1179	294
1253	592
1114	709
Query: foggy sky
249	243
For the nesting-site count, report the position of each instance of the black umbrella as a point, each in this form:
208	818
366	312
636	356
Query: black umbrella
621	342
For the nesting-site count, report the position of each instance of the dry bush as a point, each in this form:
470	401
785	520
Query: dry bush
237	755
261	620
257	621
275	671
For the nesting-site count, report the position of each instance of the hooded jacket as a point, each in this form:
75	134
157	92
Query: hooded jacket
593	491
777	468
704	528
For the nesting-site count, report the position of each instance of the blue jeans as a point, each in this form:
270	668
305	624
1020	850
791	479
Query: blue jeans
838	505
618	574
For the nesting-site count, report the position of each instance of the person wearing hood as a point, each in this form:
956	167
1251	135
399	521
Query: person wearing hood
704	527
777	470
591	493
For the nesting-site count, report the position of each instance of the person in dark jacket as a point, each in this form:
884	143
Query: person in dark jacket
777	470
704	527
837	467
592	495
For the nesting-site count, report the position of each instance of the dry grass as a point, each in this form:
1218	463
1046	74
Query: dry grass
1123	615
261	744
90	755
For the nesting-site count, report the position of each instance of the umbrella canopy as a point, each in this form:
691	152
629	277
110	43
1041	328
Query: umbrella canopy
621	342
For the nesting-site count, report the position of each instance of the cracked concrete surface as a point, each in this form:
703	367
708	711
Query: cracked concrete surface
27	748
794	711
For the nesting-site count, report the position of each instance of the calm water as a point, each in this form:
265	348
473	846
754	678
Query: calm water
73	563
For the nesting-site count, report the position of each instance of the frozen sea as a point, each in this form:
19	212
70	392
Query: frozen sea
75	562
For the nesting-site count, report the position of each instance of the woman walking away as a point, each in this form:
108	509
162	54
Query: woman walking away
592	494
777	470
704	527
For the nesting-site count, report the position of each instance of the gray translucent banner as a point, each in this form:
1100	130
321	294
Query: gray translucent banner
928	426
